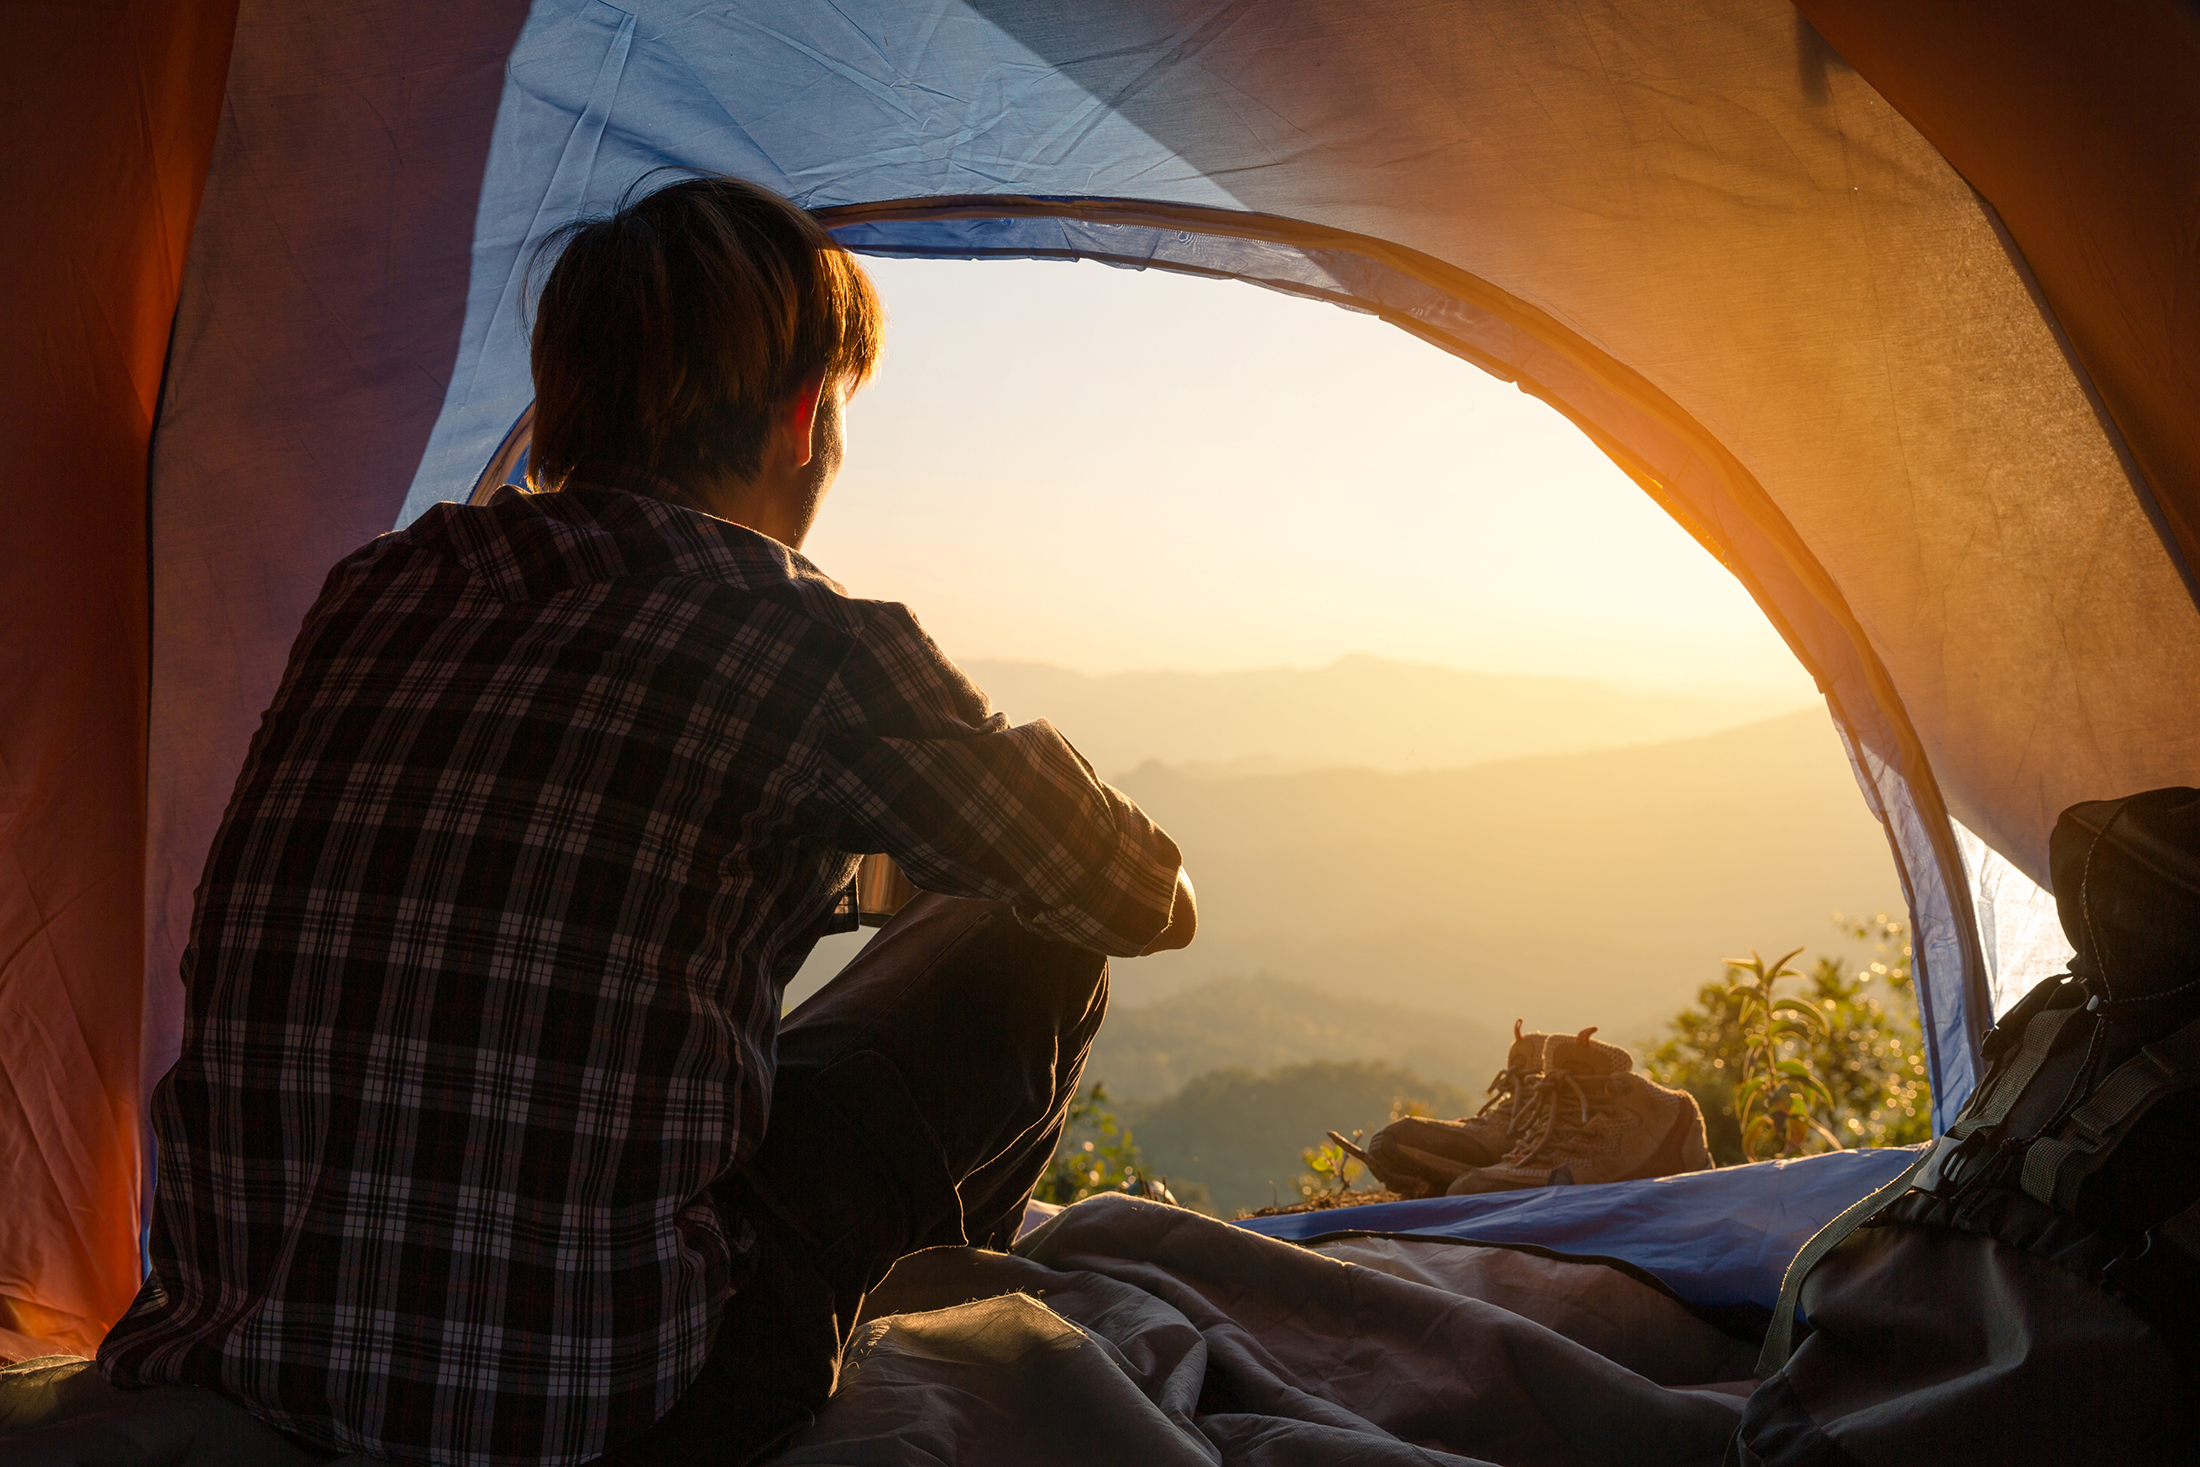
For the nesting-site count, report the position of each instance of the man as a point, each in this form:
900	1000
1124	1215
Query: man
486	1143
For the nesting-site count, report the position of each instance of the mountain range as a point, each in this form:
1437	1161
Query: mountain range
1232	1140
1149	1050
1564	886
1367	712
1598	888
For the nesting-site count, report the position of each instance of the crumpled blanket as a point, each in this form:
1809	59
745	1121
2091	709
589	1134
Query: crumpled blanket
1137	1335
1131	1334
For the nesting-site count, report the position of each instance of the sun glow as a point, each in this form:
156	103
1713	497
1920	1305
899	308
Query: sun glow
1108	469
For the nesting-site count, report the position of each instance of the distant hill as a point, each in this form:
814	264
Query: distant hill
1363	711
1594	887
1239	1134
1585	889
1261	1024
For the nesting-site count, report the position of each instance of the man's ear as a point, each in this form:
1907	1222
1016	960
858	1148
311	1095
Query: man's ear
801	418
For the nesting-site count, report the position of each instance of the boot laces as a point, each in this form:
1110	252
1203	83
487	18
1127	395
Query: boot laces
1505	1089
1557	1108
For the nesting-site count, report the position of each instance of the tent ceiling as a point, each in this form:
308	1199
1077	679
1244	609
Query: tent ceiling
2079	122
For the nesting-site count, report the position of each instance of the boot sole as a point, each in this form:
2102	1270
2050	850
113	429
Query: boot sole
1669	1160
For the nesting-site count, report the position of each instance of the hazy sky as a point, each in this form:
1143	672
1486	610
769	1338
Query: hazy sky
1110	469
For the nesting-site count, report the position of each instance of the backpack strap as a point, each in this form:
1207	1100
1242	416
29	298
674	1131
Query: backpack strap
1988	1108
1780	1334
2003	1089
2056	1167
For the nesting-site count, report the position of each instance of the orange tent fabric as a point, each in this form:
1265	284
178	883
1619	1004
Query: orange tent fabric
111	110
2082	128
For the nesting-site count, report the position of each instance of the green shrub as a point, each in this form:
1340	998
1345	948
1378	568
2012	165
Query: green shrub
1098	1154
1869	1058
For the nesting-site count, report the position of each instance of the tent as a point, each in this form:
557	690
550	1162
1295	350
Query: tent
1896	308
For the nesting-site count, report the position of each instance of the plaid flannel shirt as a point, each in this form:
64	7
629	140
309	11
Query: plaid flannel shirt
485	971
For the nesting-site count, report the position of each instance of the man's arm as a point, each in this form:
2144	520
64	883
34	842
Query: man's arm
914	764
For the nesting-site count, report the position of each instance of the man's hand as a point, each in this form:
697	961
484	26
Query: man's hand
1183	919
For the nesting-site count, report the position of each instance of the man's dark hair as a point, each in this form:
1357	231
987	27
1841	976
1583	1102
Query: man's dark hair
667	332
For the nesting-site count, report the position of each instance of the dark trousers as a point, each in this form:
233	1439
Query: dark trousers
919	1097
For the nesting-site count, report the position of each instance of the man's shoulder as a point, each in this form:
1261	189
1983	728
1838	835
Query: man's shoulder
528	547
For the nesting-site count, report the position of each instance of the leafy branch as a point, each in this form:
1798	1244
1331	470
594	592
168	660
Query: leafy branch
1778	1089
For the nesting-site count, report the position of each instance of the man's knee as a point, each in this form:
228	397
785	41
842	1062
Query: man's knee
986	968
1074	979
986	1023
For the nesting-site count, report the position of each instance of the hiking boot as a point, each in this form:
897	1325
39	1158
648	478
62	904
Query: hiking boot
1587	1117
1420	1156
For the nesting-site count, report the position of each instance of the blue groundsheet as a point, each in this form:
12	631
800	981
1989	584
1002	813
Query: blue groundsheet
1720	1240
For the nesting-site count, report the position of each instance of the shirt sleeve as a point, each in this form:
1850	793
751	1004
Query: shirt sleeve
915	764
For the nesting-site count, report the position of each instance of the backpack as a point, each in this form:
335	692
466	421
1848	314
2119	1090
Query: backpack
2029	1289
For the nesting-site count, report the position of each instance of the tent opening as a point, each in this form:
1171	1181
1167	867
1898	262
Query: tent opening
1456	725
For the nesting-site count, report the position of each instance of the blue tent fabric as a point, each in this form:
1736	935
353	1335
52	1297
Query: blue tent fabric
1720	1240
944	103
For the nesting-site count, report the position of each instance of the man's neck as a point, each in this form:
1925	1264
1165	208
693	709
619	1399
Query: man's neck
782	512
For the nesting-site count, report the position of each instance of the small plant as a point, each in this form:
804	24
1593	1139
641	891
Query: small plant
1330	1169
1778	1087
1871	1055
